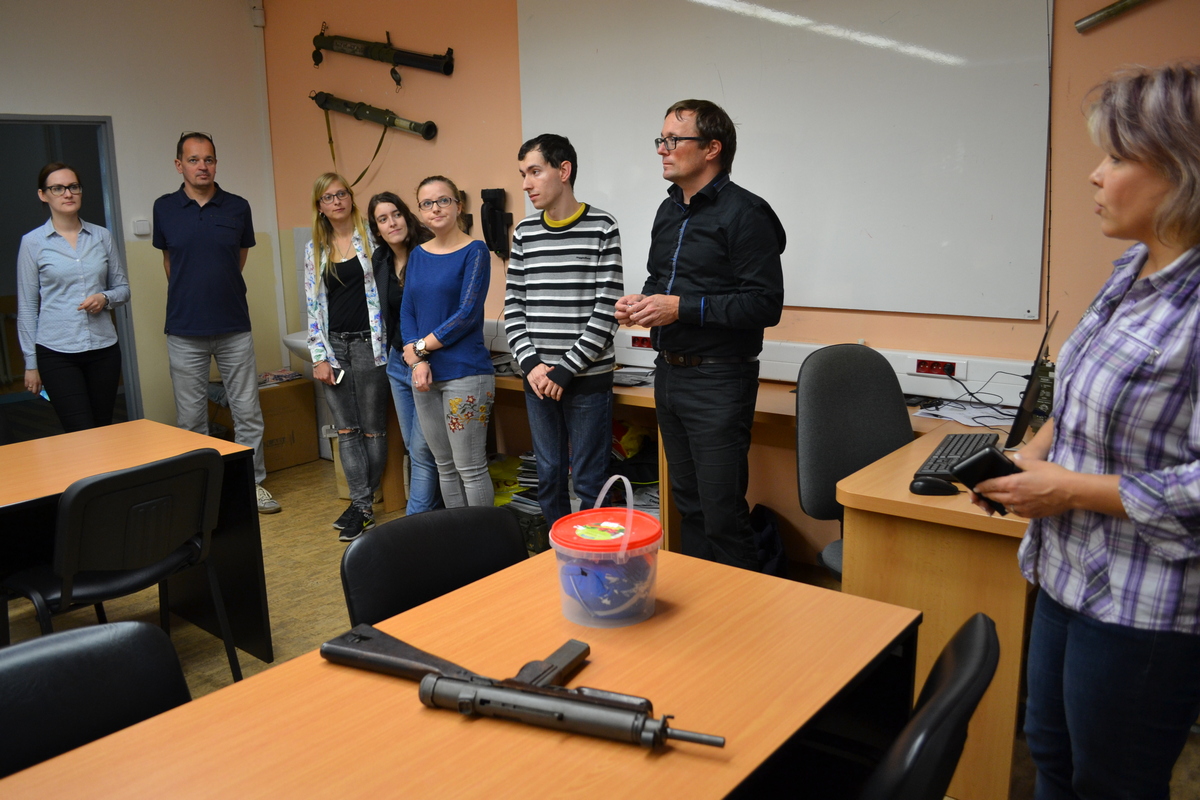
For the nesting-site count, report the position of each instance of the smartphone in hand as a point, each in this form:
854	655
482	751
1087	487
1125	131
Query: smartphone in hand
338	374
983	464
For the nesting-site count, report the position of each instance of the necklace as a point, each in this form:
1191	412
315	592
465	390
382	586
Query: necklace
345	251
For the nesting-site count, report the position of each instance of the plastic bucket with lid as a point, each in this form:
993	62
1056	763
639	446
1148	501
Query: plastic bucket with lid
607	562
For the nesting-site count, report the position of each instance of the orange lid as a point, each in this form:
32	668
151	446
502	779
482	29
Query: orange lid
602	530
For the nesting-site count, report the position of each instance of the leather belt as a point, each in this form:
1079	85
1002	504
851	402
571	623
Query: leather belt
357	336
681	360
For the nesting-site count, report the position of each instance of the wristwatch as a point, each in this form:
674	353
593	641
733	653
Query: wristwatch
419	349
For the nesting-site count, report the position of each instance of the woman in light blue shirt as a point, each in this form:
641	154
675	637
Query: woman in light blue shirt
68	276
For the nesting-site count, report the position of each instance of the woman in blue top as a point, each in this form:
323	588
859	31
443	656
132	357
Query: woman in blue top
441	321
68	276
347	337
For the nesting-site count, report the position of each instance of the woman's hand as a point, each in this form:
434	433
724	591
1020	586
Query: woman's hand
33	381
1044	489
410	354
422	376
93	304
323	372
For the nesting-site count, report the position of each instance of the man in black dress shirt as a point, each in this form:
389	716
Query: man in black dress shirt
715	284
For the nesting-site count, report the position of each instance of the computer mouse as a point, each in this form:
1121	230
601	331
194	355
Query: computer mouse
932	486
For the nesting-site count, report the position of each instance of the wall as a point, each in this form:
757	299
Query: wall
157	67
477	109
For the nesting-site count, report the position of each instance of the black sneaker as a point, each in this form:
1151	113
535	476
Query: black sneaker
358	523
344	518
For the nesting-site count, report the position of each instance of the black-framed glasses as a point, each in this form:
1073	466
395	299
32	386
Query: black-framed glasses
58	189
441	202
340	194
671	142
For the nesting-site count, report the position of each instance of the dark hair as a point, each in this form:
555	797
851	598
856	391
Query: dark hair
462	223
183	137
1153	116
555	149
417	232
712	123
53	166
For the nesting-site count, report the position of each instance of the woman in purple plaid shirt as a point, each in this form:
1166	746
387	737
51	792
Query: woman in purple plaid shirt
1112	484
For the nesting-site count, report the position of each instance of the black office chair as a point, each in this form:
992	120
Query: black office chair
61	691
921	762
121	532
411	560
850	412
915	765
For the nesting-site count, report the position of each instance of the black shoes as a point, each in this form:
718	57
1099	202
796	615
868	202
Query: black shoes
356	524
344	518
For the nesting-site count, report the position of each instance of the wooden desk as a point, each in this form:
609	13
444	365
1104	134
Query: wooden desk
728	652
948	559
33	474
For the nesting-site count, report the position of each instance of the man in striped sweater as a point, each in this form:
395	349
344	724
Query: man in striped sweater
564	278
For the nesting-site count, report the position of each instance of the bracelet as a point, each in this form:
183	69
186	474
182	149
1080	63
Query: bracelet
417	364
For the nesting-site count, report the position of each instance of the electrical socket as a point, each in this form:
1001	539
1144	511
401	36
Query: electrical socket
931	367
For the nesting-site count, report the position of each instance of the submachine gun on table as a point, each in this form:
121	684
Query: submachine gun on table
534	696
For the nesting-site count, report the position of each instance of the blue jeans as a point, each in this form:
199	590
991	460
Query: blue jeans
423	475
704	418
190	358
454	416
575	431
359	408
1109	706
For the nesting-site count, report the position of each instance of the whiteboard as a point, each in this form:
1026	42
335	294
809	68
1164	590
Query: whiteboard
903	143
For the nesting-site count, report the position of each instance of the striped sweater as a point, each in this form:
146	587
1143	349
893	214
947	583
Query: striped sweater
563	285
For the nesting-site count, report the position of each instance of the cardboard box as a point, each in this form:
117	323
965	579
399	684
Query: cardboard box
290	416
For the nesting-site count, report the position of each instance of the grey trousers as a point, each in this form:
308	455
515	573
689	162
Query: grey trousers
190	358
454	416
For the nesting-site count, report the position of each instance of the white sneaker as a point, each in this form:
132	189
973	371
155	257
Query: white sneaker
266	503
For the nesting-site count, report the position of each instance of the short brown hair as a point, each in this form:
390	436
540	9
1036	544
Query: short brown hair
1152	116
713	123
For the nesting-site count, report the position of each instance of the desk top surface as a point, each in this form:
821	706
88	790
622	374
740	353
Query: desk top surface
883	487
729	652
46	467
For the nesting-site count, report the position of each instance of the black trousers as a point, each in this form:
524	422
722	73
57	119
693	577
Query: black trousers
82	386
704	416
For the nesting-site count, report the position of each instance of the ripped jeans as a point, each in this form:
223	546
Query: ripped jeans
359	405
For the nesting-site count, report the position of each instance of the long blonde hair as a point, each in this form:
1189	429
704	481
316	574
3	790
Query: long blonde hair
322	229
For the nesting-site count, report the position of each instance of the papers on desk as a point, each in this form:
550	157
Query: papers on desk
973	414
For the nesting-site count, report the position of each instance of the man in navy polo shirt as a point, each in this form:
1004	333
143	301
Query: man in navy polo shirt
205	234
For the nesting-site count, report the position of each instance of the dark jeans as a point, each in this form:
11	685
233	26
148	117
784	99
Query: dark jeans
574	432
359	405
704	417
1109	706
82	386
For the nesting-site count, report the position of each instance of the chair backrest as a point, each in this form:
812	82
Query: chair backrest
411	560
135	517
850	412
922	760
63	690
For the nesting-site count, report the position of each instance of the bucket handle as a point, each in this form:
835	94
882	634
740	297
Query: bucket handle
628	511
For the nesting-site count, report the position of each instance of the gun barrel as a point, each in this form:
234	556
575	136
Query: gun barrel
561	710
696	738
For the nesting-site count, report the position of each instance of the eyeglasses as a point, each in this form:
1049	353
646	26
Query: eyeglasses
441	202
671	142
58	189
340	194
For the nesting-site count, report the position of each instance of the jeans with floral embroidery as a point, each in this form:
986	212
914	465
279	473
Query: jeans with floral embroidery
454	416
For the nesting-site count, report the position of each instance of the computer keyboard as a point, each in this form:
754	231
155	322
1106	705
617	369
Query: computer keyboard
952	449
